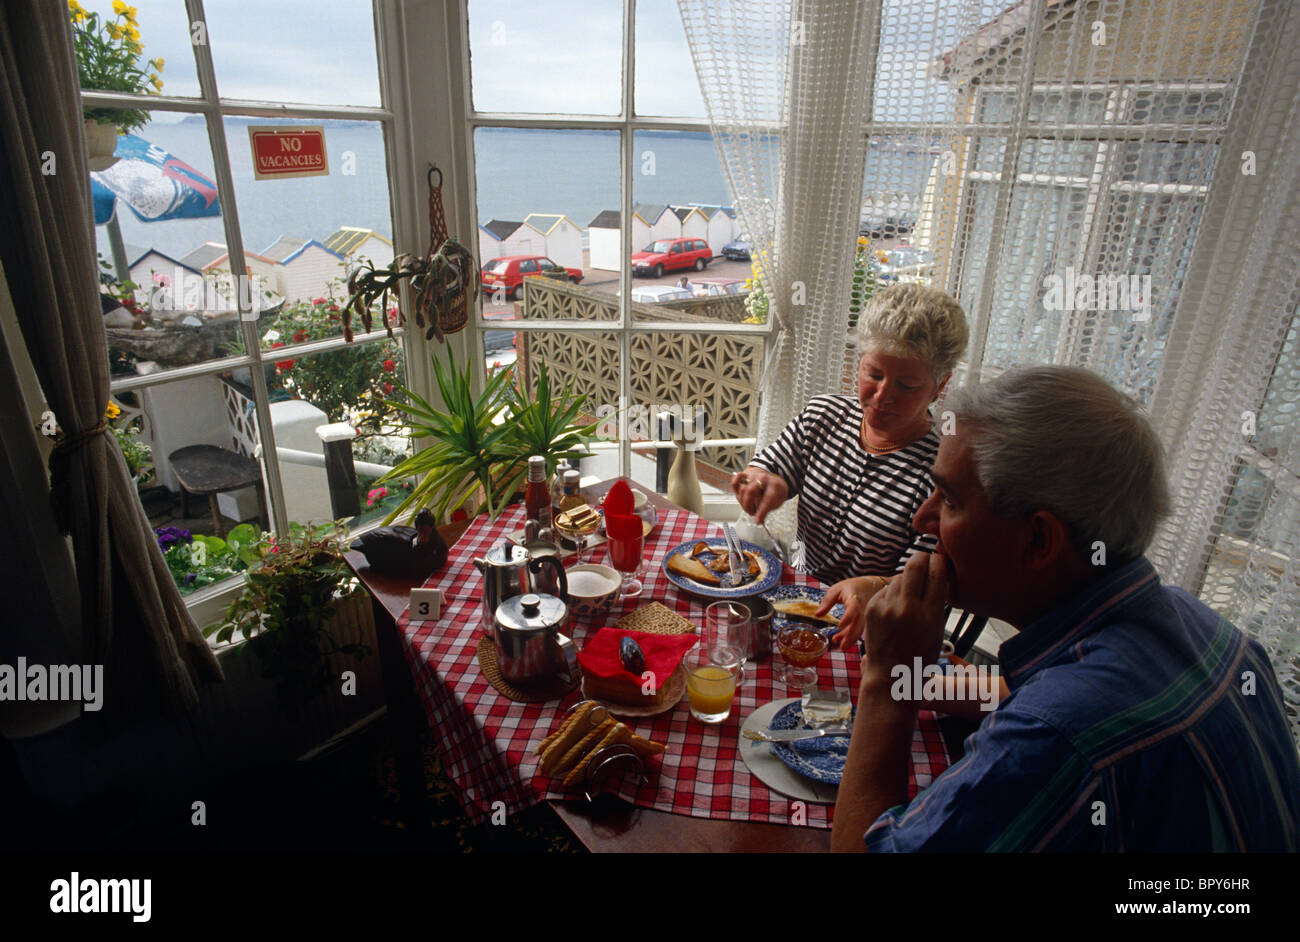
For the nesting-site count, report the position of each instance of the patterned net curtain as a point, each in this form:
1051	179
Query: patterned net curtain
1109	184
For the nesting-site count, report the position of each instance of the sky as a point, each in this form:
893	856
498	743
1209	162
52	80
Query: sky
527	55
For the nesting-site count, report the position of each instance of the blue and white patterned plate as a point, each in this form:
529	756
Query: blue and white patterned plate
821	759
769	571
787	593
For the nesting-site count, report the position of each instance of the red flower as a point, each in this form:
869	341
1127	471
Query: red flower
318	301
389	366
388	388
299	336
284	365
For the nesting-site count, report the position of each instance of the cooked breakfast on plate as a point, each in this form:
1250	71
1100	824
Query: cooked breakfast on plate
804	608
707	563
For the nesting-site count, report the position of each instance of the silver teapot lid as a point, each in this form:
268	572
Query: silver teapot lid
506	553
532	611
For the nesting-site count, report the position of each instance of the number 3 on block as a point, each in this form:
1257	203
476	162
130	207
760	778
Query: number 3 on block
426	604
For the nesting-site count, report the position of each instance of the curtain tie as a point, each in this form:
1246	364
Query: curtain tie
59	461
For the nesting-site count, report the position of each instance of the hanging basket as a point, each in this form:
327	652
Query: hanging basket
101	142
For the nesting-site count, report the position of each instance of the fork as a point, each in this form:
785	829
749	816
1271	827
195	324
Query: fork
735	560
794	558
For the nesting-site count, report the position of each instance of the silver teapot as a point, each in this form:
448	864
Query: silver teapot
509	570
530	647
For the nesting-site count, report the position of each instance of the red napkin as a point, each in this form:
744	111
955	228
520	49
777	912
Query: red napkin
619	499
662	653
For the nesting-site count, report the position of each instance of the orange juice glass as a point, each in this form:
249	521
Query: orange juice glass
711	684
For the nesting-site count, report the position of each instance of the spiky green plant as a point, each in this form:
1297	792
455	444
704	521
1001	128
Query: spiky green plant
544	425
471	450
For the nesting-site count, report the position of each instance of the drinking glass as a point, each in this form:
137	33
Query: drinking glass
625	552
578	536
729	624
711	678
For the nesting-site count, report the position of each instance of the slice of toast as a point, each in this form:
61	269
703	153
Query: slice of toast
804	608
684	565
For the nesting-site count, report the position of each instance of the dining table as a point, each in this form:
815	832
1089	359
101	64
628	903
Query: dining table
699	795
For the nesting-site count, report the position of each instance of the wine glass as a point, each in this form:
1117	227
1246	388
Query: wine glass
626	541
728	625
576	533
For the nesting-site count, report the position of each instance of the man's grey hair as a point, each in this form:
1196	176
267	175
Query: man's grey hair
1062	439
914	321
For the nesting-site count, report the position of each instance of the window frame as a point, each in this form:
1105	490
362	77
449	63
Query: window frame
206	604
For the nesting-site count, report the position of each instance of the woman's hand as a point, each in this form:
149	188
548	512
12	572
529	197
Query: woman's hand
855	594
759	492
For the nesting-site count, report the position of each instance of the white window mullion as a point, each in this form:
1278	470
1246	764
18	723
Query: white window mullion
626	163
238	270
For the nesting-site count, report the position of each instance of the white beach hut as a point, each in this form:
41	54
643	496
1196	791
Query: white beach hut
355	243
154	270
721	227
602	241
492	235
563	237
695	225
660	223
308	272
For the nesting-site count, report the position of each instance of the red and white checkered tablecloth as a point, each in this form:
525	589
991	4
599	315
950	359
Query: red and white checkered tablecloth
487	741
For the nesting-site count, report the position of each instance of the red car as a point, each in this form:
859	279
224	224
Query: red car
508	273
666	254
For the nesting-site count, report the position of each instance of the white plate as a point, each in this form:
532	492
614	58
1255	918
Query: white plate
770	770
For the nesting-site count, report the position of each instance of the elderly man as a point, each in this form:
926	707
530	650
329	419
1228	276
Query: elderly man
1137	718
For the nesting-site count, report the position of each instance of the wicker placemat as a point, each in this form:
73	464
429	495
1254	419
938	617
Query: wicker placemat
656	619
487	663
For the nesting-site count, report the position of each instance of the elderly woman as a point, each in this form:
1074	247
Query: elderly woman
861	467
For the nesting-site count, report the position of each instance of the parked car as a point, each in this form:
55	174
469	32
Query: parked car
668	254
717	287
886	227
737	251
658	294
509	271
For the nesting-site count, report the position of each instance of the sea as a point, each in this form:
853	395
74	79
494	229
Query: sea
518	171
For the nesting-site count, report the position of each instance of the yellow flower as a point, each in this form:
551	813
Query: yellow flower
119	7
134	46
131	32
75	7
157	63
113	31
156	82
112	412
131	13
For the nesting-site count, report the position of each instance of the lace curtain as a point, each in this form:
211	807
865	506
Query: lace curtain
1110	184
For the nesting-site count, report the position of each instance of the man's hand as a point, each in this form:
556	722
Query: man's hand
759	492
855	594
905	619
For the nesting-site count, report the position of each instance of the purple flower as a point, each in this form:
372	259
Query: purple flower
189	578
170	536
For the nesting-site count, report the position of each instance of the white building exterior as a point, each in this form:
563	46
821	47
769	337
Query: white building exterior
695	225
354	244
602	241
563	237
492	235
308	273
660	223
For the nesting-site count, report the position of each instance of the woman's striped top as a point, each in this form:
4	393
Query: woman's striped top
855	508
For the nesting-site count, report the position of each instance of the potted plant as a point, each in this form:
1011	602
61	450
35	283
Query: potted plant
482	444
284	611
110	58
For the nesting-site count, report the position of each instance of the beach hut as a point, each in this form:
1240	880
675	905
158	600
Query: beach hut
721	226
491	235
602	241
660	223
695	225
154	270
282	248
309	271
563	238
355	243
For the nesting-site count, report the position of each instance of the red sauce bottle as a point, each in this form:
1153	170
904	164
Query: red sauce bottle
537	496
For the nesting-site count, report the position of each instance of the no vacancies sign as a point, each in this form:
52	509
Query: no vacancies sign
293	151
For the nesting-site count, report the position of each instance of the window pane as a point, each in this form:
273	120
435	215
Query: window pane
180	308
546	56
1209	106
349	386
212	414
164	33
1058	158
303	236
666	83
679	198
281	50
1168	162
712	378
552	195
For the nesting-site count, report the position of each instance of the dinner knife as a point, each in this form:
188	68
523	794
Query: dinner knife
792	735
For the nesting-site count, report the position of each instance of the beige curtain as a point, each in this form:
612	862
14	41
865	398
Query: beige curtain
134	622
